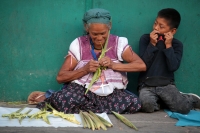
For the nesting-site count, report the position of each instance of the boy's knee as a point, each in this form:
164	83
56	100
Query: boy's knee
182	110
185	111
182	106
147	106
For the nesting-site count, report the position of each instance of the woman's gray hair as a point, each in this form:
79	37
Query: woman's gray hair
87	26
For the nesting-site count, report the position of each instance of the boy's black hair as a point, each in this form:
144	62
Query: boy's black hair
171	15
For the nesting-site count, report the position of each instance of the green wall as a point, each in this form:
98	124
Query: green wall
35	36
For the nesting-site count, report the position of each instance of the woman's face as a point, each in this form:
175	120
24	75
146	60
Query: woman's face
98	33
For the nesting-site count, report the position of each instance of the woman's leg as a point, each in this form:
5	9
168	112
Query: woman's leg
121	102
67	100
135	103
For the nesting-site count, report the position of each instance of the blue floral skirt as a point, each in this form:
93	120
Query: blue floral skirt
71	99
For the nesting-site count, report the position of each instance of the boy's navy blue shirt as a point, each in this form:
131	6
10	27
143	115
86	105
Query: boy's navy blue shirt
159	60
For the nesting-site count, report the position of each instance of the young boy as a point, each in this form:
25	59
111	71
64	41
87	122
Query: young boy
162	54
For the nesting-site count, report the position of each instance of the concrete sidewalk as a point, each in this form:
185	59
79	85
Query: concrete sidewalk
157	122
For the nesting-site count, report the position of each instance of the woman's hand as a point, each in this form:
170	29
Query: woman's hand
106	62
68	74
91	66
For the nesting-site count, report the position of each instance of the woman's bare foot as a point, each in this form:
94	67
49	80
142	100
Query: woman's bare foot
36	97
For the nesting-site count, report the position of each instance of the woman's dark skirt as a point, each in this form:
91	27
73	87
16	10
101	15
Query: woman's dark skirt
71	99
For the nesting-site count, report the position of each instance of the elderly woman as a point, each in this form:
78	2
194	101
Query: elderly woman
108	92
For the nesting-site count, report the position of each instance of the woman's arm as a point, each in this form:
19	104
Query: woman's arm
67	72
134	62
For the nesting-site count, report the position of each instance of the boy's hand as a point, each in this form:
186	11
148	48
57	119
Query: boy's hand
154	37
168	39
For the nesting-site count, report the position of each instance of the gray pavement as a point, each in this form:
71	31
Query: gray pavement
157	122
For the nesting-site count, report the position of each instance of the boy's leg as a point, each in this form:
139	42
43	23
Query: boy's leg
148	99
195	99
175	101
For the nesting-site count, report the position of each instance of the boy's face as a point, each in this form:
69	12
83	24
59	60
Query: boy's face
162	26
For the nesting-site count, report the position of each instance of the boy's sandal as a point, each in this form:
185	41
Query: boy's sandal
36	97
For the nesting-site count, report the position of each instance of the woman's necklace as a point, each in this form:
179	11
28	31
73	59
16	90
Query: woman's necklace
97	48
92	50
